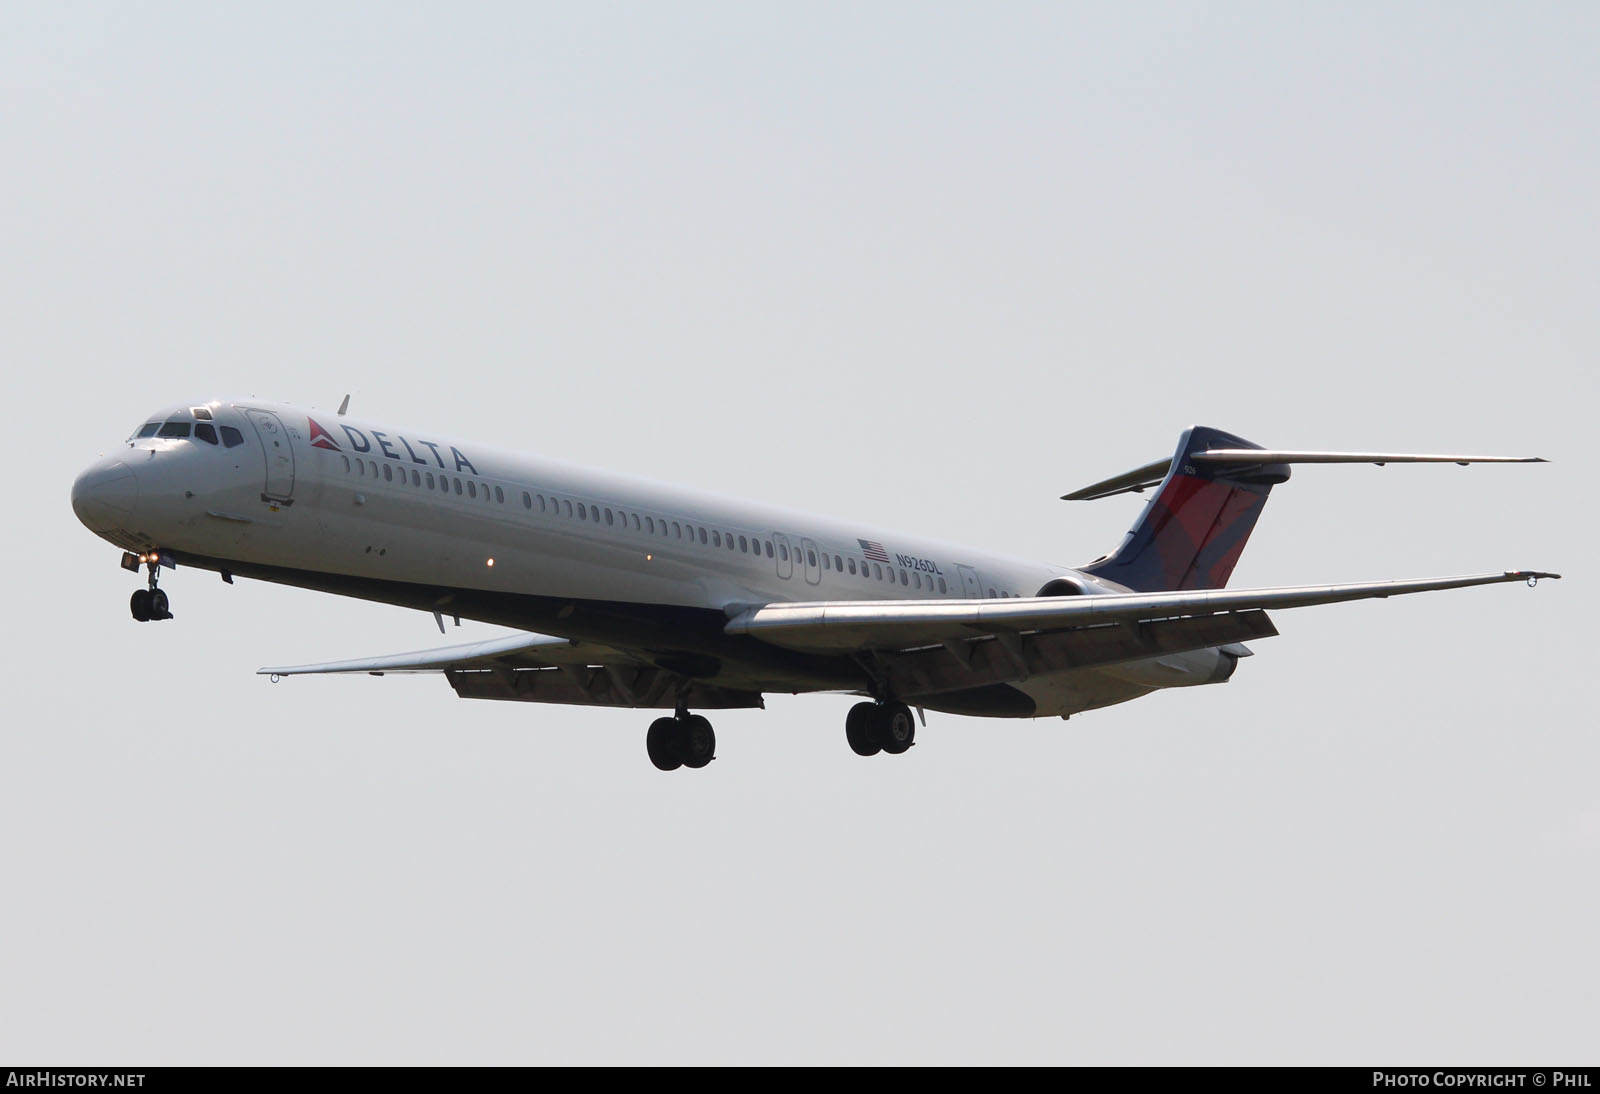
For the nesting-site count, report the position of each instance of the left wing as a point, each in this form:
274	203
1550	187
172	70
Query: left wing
843	626
539	668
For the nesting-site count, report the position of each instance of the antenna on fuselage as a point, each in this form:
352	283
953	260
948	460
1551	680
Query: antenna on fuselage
344	406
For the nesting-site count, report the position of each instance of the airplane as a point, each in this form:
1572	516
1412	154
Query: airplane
626	593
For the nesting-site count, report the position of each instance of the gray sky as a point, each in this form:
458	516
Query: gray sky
926	265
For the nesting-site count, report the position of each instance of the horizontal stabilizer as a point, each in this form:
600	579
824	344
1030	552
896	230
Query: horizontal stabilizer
1151	474
1229	456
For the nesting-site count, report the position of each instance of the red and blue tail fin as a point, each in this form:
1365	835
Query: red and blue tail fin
1211	492
1192	532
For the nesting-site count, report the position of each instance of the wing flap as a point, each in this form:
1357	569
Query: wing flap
955	666
843	626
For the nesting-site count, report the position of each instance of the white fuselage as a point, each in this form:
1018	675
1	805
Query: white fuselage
410	517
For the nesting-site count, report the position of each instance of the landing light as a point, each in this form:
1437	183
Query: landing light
489	563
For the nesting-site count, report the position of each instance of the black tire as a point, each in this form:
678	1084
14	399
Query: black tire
139	605
698	743
861	729
158	605
897	728
662	744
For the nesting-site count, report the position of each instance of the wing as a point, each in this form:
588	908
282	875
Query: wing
840	626
931	647
538	668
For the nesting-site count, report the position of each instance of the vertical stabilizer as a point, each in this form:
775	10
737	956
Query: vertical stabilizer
1192	532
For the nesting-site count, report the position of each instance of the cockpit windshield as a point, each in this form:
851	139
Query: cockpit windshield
180	427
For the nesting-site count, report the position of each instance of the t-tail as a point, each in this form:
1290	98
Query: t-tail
1211	493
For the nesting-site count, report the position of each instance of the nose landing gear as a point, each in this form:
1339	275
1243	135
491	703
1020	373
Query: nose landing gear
150	604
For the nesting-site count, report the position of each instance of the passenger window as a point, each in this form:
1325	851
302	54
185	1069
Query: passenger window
206	432
594	513
174	429
838	563
702	533
430	480
457	483
373	464
231	437
650	525
916	579
783	552
852	564
716	539
361	469
811	558
149	429
499	495
345	458
472	489
768	545
827	563
744	546
568	505
991	591
677	530
416	478
902	577
583	511
608	518
941	585
388	473
729	539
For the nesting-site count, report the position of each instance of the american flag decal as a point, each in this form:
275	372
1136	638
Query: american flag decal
873	551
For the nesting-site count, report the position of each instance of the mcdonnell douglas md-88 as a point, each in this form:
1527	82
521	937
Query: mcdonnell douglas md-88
633	594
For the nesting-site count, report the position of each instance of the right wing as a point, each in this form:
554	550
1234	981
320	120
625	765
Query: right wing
539	668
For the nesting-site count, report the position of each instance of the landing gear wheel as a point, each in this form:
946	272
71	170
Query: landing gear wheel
158	605
662	744
139	605
698	743
861	729
897	729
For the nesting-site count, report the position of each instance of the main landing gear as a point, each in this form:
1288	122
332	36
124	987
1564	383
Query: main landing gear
684	740
880	727
150	604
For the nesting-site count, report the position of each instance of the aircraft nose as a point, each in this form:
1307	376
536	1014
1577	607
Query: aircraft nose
104	496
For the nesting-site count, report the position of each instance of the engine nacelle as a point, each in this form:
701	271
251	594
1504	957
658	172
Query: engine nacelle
1079	584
